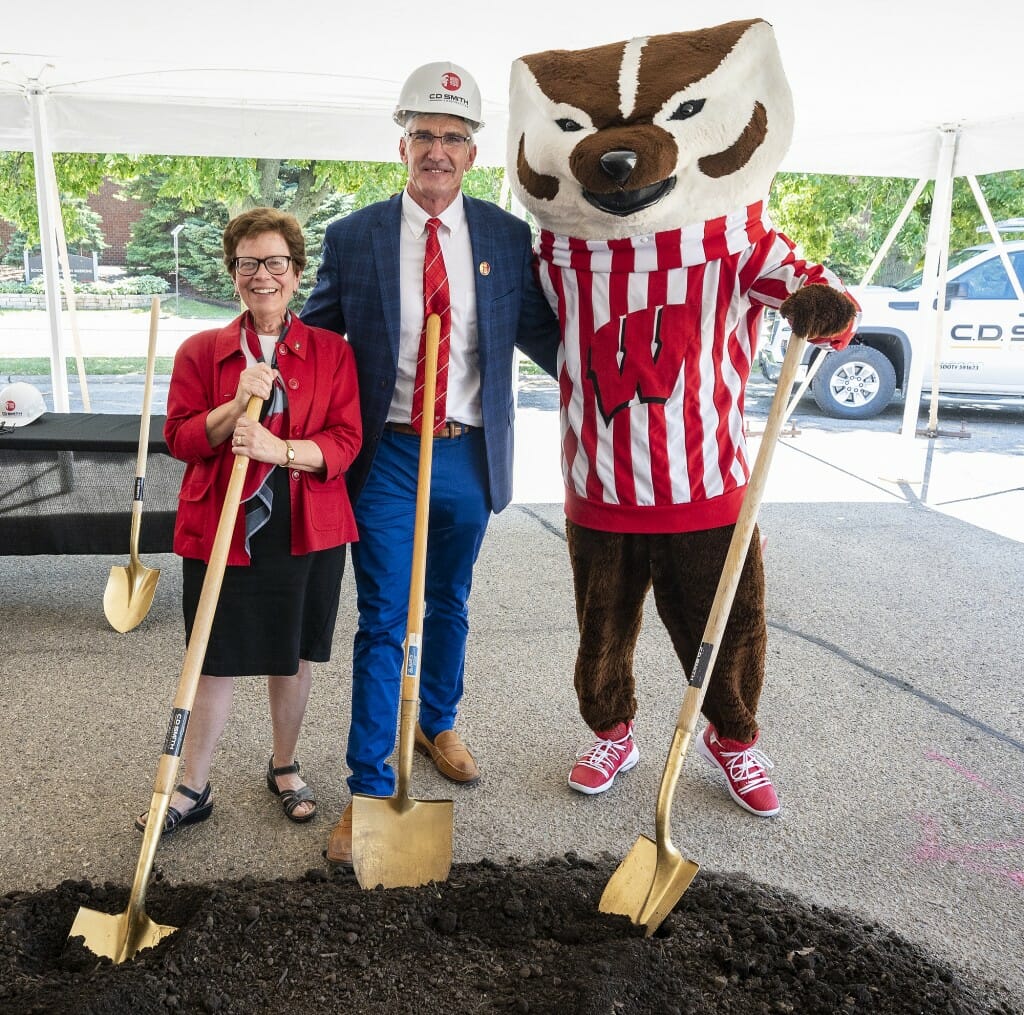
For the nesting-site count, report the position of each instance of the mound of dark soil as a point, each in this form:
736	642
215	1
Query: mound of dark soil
493	938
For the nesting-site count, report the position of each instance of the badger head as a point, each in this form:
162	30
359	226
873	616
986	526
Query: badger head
651	134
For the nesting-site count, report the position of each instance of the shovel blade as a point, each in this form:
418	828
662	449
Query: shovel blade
129	595
646	888
401	843
118	936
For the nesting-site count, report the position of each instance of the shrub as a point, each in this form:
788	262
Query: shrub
140	285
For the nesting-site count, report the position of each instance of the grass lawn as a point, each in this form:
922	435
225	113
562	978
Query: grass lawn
192	309
95	366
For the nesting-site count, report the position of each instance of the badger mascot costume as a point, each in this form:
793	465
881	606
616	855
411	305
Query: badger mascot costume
647	165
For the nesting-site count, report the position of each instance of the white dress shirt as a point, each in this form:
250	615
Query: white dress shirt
463	400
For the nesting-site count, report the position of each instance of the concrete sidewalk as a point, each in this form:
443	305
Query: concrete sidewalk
102	332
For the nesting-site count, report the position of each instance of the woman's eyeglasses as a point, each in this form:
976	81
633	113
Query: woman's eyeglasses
425	139
276	265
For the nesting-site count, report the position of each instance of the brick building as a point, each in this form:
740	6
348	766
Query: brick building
117	216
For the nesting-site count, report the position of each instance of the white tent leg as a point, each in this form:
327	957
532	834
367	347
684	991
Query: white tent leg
908	207
997	237
68	278
933	288
42	158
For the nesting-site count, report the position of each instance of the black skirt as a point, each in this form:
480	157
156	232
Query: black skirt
276	611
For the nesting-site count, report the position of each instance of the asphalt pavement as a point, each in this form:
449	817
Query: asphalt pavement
891	708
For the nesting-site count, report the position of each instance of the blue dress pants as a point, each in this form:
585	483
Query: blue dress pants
382	561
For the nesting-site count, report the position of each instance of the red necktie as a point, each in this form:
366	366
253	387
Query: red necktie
435	301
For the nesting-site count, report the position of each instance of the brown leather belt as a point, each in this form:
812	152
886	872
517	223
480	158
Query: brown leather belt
451	429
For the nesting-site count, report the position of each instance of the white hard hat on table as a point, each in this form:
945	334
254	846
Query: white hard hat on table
21	404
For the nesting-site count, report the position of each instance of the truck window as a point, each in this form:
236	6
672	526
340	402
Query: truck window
987	281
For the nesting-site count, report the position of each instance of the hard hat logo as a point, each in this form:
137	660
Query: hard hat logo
451	81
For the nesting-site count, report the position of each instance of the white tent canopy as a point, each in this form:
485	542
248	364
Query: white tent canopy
873	82
927	90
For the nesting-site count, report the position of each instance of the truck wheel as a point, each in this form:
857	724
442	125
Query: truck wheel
857	382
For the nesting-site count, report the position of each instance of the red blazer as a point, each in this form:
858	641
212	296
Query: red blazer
318	368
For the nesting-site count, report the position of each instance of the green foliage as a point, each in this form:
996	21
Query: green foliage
839	220
77	175
843	220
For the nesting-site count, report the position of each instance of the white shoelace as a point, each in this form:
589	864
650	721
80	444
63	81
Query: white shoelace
748	769
603	755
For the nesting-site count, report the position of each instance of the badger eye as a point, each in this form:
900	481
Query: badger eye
569	126
687	109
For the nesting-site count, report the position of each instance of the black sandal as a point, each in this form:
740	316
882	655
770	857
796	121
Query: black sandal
199	811
290	798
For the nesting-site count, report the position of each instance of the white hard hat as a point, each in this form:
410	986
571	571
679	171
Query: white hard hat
20	404
444	88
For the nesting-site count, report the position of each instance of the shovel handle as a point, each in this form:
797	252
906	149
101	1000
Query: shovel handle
413	656
147	392
727	583
147	403
196	652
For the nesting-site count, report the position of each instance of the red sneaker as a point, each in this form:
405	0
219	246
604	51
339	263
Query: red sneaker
746	771
597	765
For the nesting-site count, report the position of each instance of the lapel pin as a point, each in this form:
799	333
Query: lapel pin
485	268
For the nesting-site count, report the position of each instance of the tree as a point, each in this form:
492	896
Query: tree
843	220
78	176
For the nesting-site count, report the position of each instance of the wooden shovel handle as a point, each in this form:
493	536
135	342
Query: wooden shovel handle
727	583
413	657
196	652
147	403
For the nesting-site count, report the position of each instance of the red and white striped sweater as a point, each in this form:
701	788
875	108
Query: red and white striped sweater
659	336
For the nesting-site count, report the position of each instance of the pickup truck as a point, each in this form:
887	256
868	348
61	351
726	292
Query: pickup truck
982	349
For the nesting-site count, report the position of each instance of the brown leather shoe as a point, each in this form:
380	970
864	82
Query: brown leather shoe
449	754
339	845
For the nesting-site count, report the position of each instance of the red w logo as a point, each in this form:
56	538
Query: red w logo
639	356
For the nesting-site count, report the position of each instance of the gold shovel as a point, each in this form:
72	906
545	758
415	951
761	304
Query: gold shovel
652	878
398	841
119	936
130	590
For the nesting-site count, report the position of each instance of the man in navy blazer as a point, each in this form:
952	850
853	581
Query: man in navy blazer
370	288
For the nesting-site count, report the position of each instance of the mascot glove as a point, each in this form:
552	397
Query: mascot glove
823	315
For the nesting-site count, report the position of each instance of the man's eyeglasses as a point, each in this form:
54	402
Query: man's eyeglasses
276	265
425	139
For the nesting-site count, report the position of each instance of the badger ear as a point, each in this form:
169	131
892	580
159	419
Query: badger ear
537	185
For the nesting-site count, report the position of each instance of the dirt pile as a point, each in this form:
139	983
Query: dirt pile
493	938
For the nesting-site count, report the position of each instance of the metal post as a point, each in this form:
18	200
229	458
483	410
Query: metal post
177	292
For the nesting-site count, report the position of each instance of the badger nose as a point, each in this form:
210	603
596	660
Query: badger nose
619	164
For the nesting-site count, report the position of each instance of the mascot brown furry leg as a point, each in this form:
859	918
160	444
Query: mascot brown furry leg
647	166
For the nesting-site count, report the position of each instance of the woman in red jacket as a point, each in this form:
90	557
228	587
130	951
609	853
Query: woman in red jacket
279	599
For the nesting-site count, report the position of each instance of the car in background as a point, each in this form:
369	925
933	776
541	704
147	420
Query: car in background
982	349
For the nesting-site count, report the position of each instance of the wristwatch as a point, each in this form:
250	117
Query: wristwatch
290	452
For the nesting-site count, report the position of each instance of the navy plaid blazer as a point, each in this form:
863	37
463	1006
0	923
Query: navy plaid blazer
357	295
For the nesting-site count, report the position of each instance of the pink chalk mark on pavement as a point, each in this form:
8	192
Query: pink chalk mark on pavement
970	857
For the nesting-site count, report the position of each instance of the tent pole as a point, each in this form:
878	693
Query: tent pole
933	289
997	237
908	207
69	285
47	244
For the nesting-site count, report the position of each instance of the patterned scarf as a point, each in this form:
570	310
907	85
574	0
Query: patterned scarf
258	490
